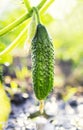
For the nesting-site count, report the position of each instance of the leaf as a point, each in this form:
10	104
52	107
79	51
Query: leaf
5	107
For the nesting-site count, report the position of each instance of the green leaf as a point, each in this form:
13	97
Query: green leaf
7	59
5	107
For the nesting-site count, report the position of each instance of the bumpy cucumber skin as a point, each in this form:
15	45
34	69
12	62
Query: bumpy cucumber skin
42	63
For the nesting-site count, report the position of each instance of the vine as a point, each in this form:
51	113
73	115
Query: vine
27	4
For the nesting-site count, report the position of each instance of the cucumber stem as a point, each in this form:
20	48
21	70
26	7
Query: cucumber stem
41	107
37	14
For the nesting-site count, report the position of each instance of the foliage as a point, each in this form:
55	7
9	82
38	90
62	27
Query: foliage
5	107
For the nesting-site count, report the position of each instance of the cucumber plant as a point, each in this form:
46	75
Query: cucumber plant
42	62
42	50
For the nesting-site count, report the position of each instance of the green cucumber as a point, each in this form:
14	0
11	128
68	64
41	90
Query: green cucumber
42	62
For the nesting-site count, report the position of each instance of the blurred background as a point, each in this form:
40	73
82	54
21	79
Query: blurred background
63	20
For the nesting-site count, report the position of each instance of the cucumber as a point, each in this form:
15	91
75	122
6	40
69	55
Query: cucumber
42	62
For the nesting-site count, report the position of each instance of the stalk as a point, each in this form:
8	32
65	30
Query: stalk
41	4
37	14
27	4
15	23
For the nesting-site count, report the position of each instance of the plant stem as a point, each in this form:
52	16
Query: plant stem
14	43
27	4
46	6
15	23
41	4
37	14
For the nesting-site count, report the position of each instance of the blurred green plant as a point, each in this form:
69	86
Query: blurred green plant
5	107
